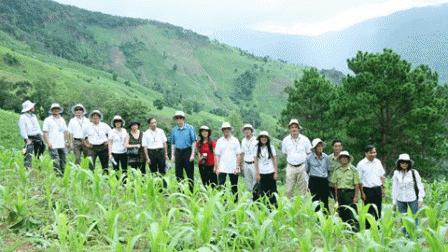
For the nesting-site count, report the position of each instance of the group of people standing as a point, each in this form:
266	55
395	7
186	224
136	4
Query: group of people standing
308	168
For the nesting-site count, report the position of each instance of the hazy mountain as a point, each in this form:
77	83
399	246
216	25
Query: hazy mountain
420	35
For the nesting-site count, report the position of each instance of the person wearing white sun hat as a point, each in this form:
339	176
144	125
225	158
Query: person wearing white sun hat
56	137
96	139
248	151
183	139
31	133
318	168
266	168
227	158
296	147
407	187
76	126
118	141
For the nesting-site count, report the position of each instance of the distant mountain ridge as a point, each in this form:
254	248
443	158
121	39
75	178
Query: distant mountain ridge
420	35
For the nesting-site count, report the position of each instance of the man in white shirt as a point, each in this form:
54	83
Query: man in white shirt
227	158
155	146
31	133
55	135
371	174
296	147
75	128
96	136
248	151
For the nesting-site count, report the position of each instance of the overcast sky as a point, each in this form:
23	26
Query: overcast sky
304	17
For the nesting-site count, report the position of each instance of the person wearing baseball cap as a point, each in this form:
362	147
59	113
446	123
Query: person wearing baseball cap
248	151
318	168
96	139
31	133
296	147
75	128
346	183
183	139
227	158
56	137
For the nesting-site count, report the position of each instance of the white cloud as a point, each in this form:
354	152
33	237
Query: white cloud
304	17
344	19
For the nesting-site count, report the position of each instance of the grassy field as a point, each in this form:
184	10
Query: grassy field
88	211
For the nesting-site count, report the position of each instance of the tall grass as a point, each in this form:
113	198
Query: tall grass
87	211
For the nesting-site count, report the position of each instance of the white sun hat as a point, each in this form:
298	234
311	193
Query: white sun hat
248	126
79	105
263	133
27	106
294	121
179	114
96	112
56	105
117	118
316	141
226	125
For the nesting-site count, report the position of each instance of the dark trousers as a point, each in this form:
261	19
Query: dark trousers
101	152
183	163
233	182
121	161
79	149
268	187
208	176
36	148
319	189
138	166
345	199
158	162
374	196
59	160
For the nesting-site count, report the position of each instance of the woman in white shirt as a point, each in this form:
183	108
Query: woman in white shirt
266	168
407	186
118	140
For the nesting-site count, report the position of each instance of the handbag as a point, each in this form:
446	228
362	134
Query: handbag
133	152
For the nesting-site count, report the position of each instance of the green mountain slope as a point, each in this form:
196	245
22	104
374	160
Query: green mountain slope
83	51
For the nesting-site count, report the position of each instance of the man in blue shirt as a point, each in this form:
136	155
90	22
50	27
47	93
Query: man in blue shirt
183	140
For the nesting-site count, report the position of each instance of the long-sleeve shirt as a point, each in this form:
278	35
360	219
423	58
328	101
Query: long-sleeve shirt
29	125
403	187
318	167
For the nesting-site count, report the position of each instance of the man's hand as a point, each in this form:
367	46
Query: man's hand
28	141
275	175
166	157
148	160
50	146
420	204
363	196
355	199
191	158
258	177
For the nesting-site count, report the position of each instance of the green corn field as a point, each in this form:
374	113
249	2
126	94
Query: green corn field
89	211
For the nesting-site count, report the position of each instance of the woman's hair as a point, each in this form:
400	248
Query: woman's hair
399	166
268	145
116	121
209	140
